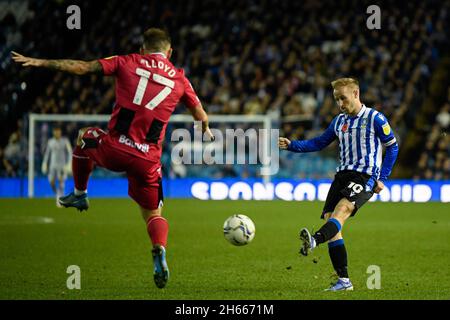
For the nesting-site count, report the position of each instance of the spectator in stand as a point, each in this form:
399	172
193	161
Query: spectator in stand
273	57
12	155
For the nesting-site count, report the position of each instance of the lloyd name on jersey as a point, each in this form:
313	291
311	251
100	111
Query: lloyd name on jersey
159	65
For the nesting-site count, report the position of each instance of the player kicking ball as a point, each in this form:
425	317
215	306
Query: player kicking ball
361	132
148	88
58	151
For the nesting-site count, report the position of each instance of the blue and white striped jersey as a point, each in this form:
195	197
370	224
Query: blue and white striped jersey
360	142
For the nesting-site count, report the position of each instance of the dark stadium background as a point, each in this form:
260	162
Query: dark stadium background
267	57
244	57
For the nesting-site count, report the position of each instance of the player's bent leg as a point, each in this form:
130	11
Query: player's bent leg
341	213
333	197
82	164
82	167
308	243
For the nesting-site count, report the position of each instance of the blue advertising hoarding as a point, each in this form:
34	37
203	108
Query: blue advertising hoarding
235	189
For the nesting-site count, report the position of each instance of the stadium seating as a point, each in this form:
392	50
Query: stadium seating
271	57
434	161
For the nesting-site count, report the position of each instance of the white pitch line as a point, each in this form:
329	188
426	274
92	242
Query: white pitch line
45	220
11	219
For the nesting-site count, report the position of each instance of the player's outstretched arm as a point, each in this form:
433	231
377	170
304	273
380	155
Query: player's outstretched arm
199	114
283	143
312	145
77	67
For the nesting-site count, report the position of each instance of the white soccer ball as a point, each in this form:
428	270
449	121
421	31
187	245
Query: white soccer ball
239	229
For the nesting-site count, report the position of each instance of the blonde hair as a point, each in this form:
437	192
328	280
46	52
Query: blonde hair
343	82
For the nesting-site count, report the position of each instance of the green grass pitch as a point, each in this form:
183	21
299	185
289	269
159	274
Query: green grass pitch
410	242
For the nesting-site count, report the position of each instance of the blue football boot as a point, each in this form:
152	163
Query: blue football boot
161	271
80	202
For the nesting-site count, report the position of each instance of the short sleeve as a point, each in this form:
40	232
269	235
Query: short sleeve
189	98
111	64
383	130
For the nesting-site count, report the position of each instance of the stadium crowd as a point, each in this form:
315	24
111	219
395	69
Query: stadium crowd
434	161
248	57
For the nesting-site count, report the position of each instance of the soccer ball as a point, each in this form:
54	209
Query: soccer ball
239	229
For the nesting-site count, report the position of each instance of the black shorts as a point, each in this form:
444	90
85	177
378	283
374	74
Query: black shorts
351	185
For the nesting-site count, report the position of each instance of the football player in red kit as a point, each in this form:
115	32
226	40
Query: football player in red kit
148	88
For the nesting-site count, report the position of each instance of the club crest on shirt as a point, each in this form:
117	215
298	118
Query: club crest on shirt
363	123
344	127
386	129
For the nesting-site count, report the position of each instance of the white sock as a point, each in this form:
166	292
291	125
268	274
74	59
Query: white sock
79	192
313	243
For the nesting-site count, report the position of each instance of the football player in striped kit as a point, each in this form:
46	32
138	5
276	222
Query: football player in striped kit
362	132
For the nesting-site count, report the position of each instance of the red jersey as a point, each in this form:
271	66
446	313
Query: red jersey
148	88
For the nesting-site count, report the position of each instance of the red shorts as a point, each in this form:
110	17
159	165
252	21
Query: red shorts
144	177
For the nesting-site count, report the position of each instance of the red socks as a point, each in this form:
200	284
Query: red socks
82	167
158	228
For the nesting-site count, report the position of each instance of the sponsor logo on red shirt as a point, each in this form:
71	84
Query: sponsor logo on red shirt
139	146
